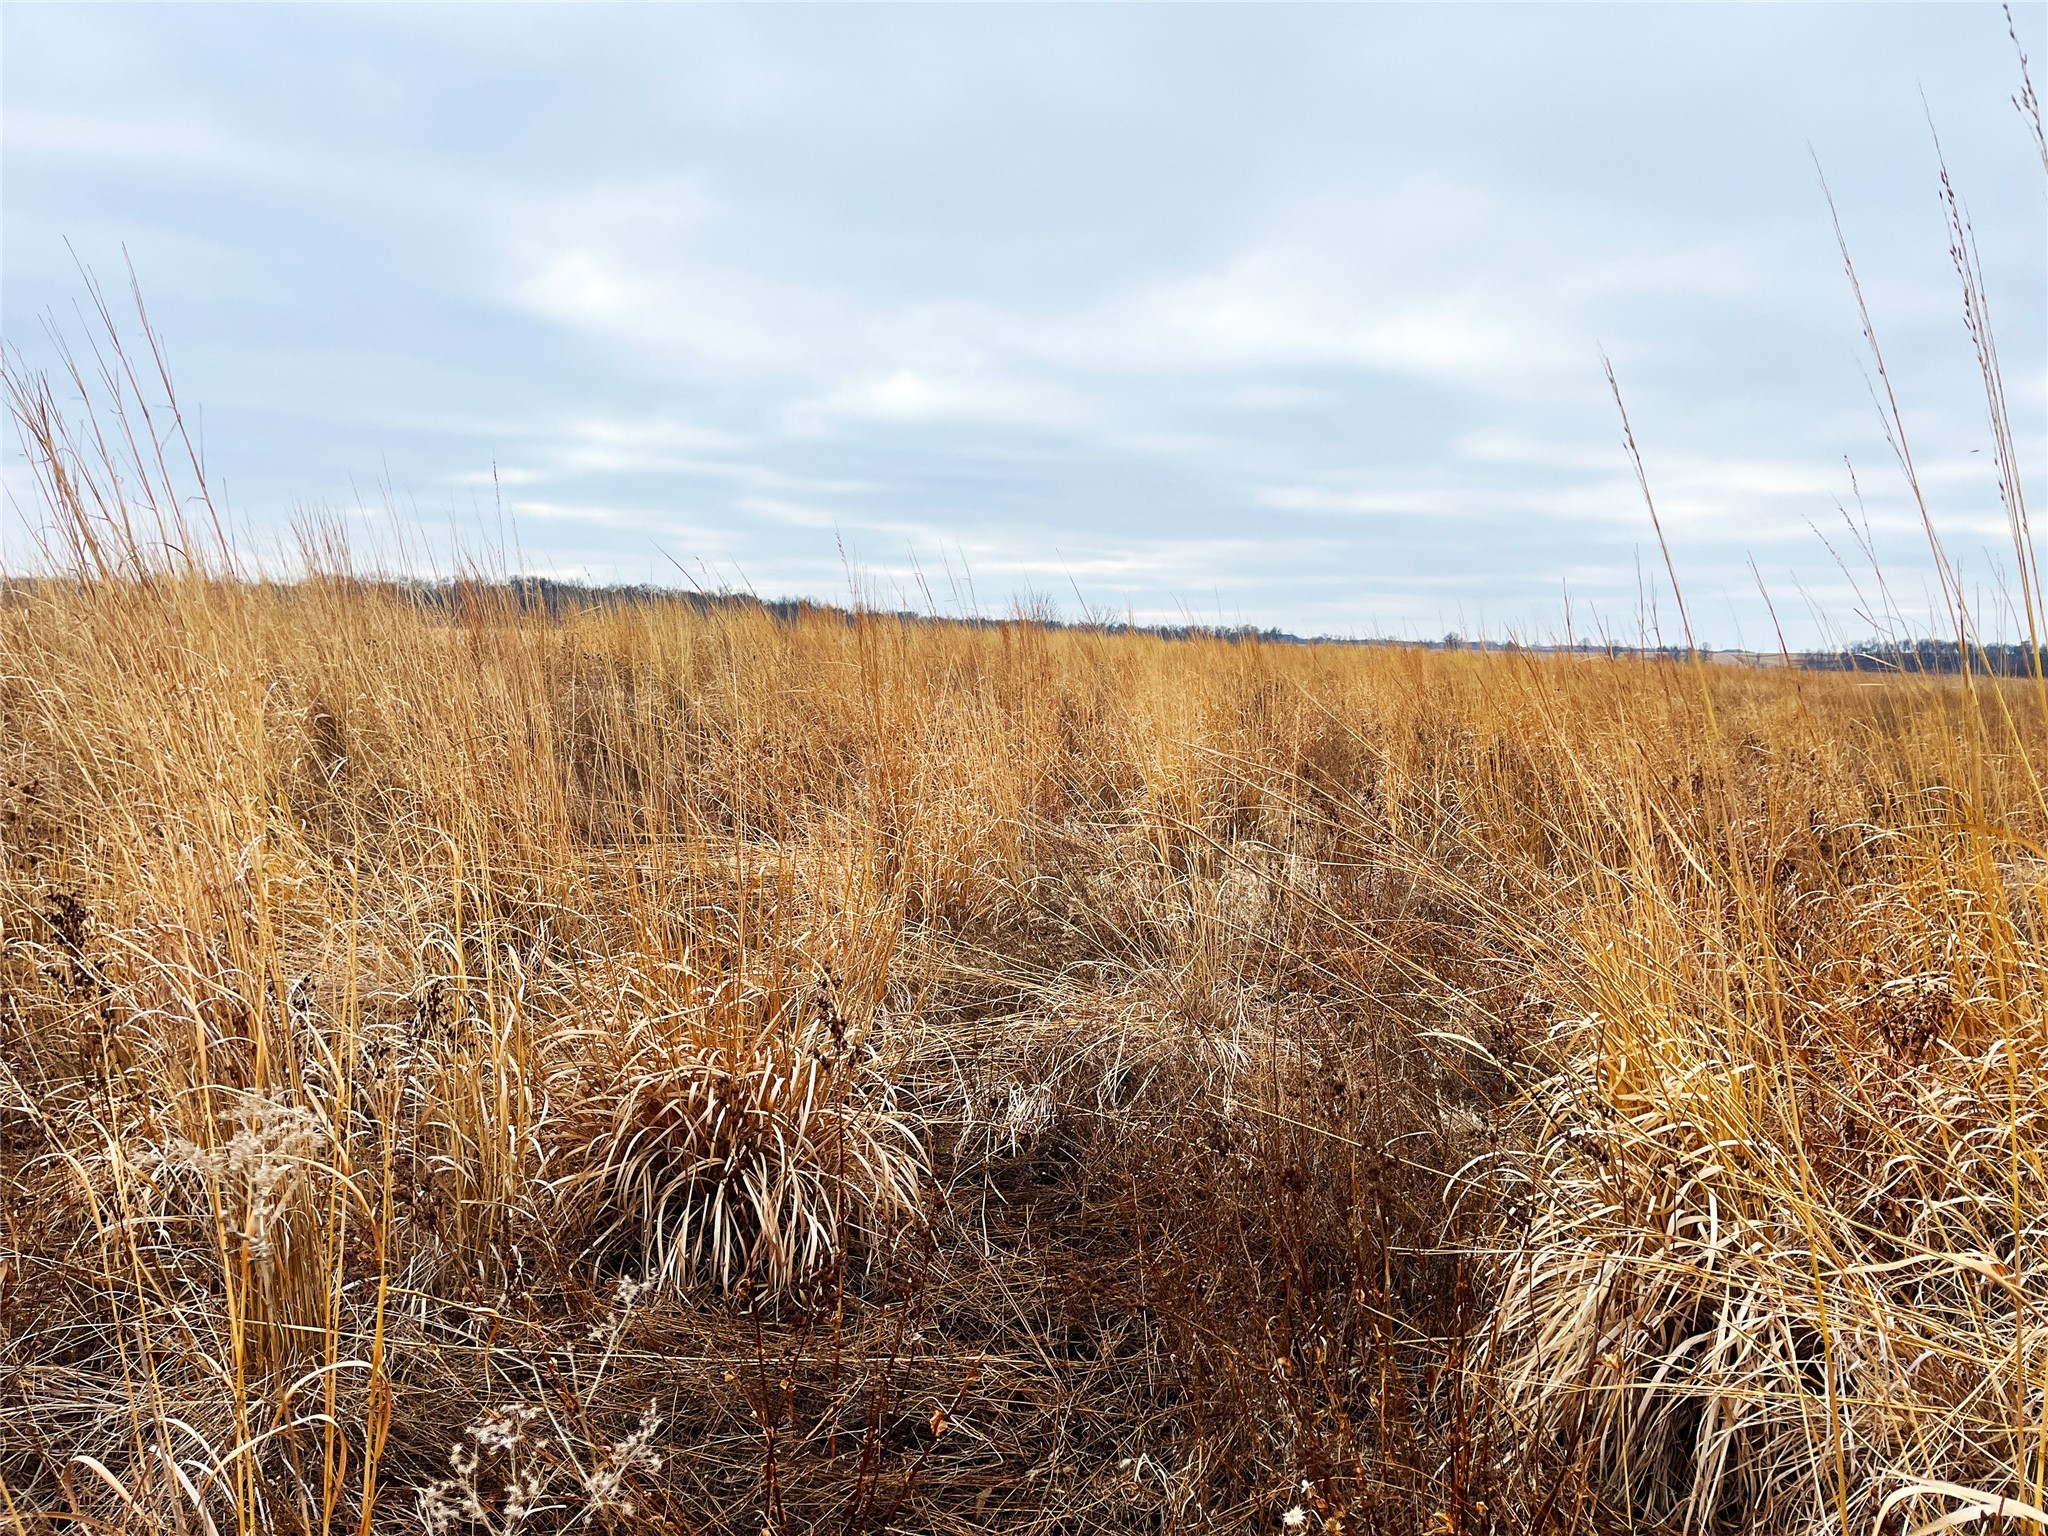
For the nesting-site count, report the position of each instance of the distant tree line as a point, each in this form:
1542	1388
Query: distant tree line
547	595
557	599
1938	656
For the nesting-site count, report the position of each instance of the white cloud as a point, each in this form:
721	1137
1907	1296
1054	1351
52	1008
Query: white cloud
795	514
635	264
503	475
584	512
914	395
1498	446
687	315
181	141
1301	306
612	445
1322	499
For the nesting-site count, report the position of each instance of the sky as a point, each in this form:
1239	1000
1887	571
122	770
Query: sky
1281	315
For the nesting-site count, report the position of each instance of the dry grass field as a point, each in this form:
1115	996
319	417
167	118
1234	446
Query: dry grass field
471	1068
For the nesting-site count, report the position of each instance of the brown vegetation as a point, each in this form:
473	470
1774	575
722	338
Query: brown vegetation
718	1072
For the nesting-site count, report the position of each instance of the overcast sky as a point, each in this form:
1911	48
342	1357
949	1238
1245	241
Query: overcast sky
1268	314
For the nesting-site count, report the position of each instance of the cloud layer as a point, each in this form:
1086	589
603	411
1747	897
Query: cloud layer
1279	315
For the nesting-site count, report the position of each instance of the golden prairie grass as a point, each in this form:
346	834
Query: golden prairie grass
718	1071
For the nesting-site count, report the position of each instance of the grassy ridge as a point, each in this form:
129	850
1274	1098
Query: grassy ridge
721	1072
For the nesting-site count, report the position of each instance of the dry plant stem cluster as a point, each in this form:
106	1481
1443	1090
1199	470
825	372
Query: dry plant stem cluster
470	1068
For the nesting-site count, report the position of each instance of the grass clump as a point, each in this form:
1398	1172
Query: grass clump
760	1163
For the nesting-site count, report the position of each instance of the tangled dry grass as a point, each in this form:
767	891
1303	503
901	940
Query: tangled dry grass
471	1066
721	1072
